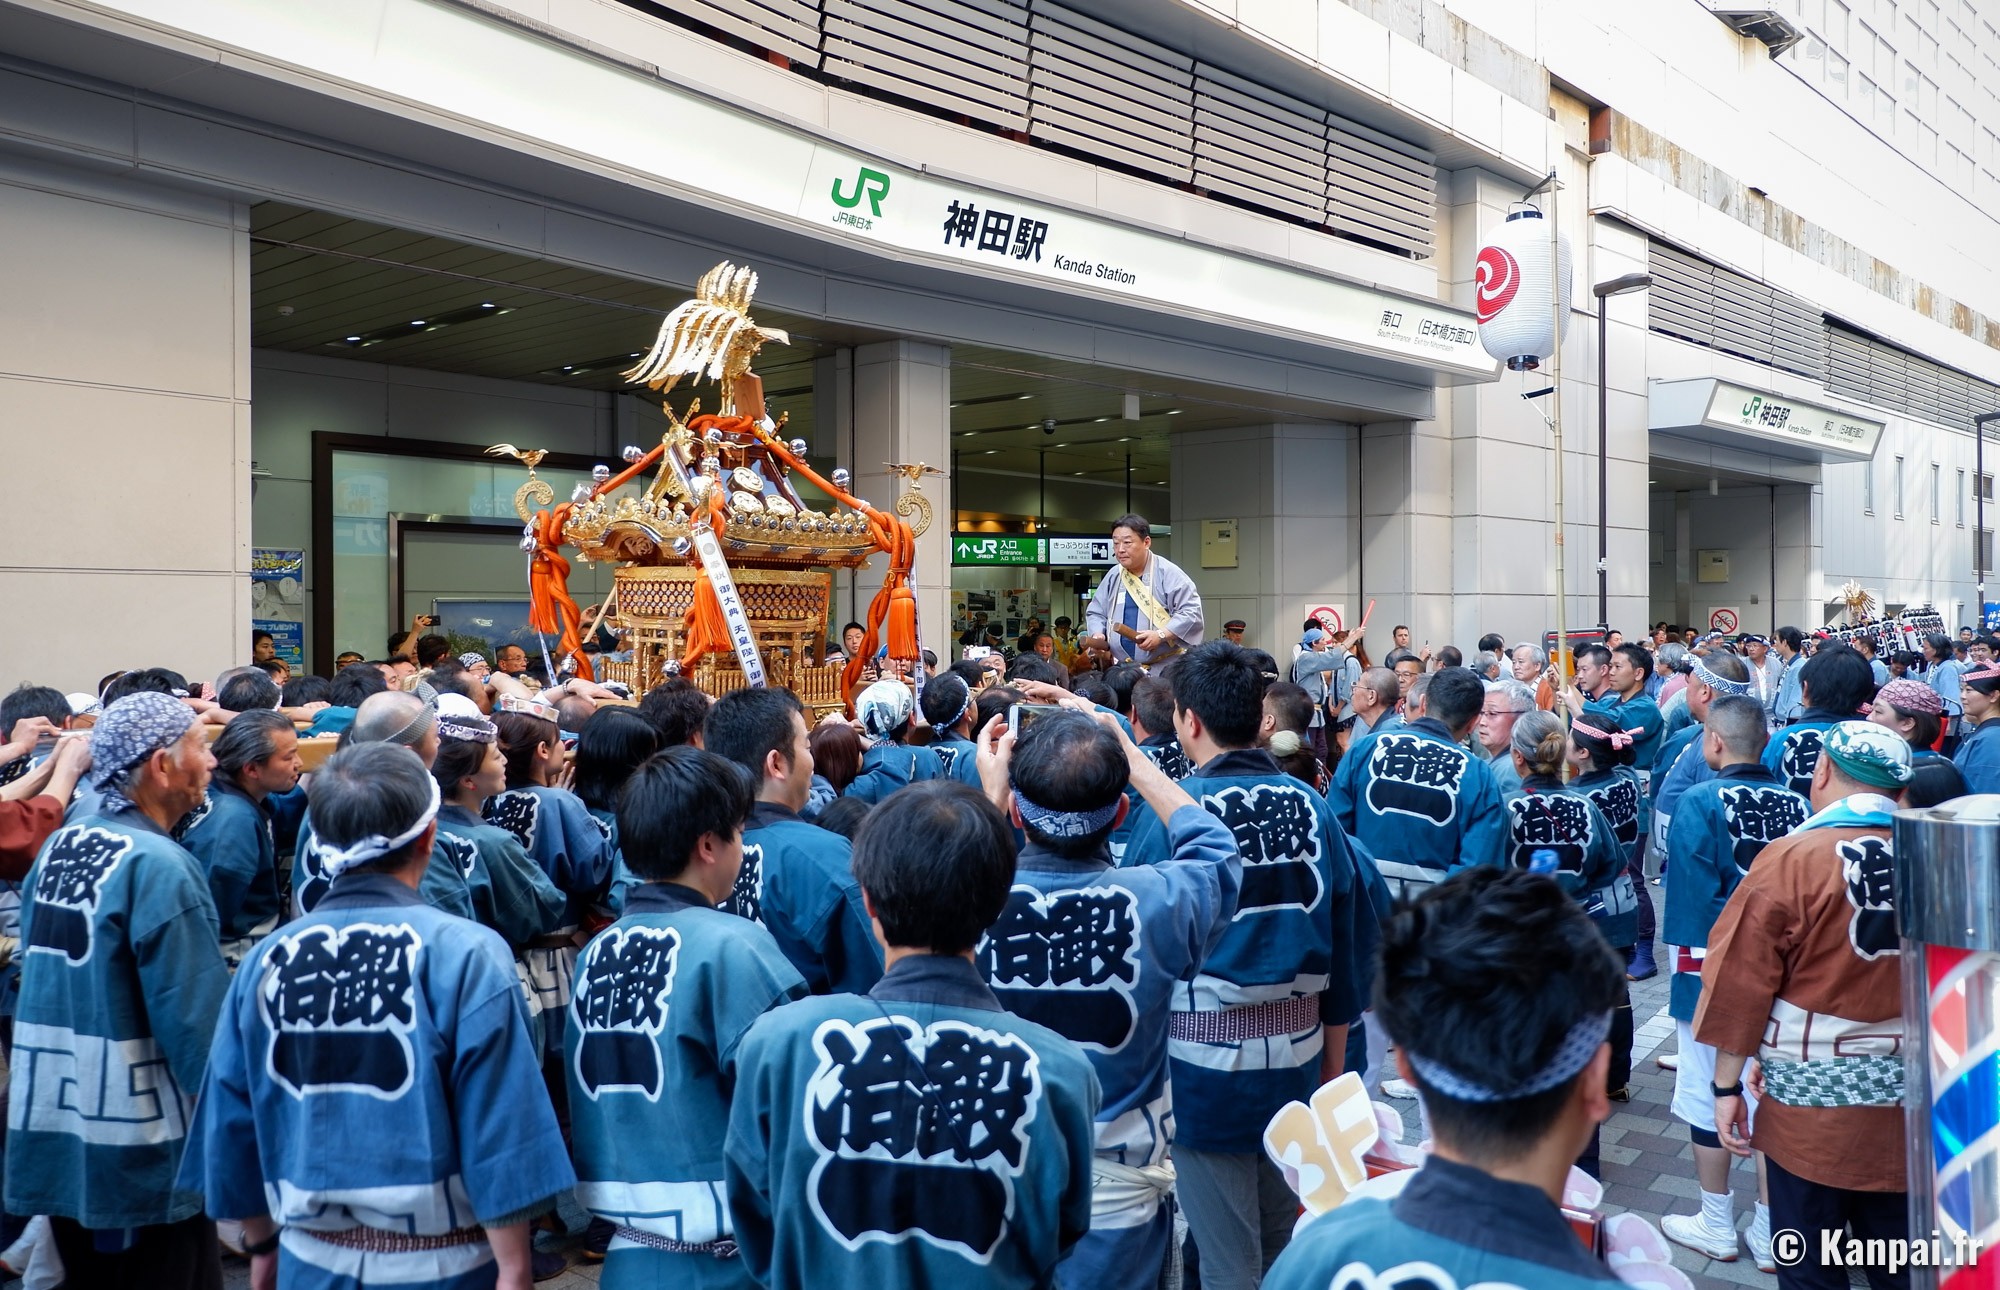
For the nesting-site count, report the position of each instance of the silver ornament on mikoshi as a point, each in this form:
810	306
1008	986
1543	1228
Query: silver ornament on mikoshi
682	546
528	543
711	466
633	452
798	447
842	478
581	493
600	473
714	437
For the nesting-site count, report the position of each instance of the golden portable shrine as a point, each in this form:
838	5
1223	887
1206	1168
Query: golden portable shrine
725	574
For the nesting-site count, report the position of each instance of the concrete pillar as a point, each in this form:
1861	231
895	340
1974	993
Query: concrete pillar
125	410
1290	489
902	415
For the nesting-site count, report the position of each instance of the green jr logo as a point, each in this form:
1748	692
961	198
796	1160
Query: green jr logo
872	184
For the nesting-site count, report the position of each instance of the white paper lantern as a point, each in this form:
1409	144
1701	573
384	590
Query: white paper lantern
1511	290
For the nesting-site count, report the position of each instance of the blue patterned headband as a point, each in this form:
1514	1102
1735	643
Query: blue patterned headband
1571	1056
1066	824
1716	683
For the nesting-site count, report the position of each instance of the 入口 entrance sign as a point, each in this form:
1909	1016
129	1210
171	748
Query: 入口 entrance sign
998	549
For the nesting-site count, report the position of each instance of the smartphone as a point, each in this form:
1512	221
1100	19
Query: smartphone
973	653
1022	715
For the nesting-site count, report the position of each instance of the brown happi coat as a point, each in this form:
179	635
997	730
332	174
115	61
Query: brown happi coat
1803	965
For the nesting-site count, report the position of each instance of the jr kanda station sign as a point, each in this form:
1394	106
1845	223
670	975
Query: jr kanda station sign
1722	413
875	202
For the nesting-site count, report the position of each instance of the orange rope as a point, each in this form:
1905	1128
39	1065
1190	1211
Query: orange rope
553	610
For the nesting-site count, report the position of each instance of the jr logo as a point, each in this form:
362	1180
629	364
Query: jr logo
872	184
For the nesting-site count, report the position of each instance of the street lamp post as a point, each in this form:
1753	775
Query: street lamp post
1979	508
1615	287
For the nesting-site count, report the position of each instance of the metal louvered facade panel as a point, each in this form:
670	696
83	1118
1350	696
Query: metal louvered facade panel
1380	188
788	27
1710	305
1258	146
1093	88
965	57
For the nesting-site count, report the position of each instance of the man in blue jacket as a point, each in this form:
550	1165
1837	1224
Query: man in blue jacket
1415	799
1265	1020
121	980
796	879
1095	953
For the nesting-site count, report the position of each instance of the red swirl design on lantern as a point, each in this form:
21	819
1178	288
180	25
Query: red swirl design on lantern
1495	279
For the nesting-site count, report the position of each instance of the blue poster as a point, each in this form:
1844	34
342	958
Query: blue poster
1992	616
289	639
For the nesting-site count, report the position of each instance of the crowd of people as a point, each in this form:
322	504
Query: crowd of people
997	981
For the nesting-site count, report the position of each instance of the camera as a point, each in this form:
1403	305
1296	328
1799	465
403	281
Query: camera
1022	715
1048	425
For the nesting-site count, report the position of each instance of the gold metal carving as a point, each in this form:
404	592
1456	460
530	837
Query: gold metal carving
536	492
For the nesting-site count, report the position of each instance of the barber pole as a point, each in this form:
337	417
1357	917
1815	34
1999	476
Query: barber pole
1947	884
1514	293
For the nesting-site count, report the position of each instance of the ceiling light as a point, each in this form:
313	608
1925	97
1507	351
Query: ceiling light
416	322
1161	482
353	339
1100	418
1079	472
488	304
990	452
1019	397
568	367
1130	438
1173	412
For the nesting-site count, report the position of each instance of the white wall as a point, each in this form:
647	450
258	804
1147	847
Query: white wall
124	426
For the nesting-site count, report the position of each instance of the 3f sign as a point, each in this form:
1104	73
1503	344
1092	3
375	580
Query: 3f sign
872	184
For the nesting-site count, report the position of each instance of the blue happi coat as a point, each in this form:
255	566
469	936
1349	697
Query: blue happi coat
663	998
1453	1227
1419	803
1978	757
1247	1030
121	981
373	1068
448	882
1616	792
959	757
1678	767
1720	827
233	842
1636	713
797	880
1793	753
916	1136
886	767
558	831
1585	856
505	889
1094	953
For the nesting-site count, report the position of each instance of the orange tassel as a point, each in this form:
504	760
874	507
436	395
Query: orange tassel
902	624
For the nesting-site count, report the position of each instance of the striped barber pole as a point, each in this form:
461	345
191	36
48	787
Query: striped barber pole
1963	1086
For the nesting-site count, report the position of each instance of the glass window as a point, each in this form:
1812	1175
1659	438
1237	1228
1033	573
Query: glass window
1961	499
1896	497
1937	506
1868	487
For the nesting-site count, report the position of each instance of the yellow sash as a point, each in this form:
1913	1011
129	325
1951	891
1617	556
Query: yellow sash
1149	606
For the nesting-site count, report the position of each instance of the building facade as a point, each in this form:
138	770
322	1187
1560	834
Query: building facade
282	271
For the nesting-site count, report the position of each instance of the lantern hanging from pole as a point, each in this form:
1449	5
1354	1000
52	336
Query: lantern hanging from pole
1512	290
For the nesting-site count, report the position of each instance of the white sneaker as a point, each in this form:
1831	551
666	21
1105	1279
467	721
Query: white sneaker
1668	1061
229	1233
1694	1232
1398	1088
1758	1236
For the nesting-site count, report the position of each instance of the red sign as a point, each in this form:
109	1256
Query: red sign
1722	620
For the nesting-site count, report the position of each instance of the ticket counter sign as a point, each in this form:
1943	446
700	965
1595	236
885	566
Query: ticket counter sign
995	549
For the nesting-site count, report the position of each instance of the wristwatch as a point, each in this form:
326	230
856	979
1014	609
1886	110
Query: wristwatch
1733	1090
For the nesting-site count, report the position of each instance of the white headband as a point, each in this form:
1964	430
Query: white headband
375	846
